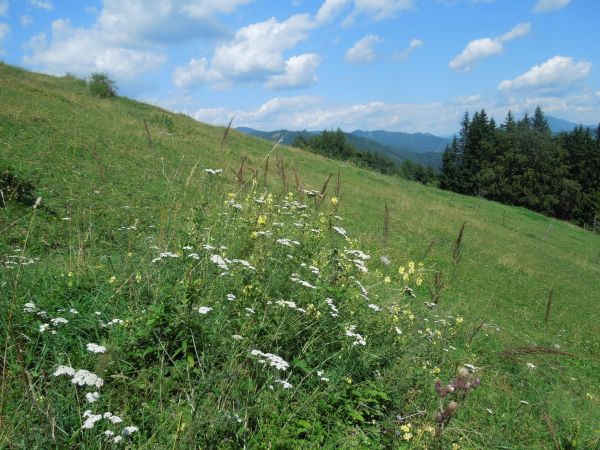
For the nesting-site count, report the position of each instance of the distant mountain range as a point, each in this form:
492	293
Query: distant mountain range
558	125
422	148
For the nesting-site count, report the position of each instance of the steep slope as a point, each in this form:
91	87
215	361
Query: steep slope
101	177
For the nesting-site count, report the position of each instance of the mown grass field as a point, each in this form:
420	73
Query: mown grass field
111	201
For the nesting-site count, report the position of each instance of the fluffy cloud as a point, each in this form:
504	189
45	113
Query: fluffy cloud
329	10
485	47
42	4
549	5
82	51
195	72
128	37
257	49
558	74
300	72
362	52
412	46
256	54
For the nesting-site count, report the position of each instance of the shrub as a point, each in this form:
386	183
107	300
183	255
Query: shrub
101	85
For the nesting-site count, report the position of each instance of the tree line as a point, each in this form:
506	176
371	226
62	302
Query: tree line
521	162
334	144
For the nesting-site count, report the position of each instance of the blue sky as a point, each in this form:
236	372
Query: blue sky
399	65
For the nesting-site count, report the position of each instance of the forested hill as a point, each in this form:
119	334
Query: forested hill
522	163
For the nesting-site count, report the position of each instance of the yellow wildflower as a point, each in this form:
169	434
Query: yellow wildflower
407	436
112	279
406	428
262	219
387	280
334	201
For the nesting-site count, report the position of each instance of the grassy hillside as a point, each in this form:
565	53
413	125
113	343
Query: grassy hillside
114	196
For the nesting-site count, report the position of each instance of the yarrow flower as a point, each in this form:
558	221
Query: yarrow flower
334	311
91	397
359	340
90	420
271	359
95	348
340	231
284	384
86	378
204	309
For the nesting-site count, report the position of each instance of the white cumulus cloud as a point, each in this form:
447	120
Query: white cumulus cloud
257	54
128	38
300	72
362	52
82	51
485	47
257	49
558	74
330	9
543	6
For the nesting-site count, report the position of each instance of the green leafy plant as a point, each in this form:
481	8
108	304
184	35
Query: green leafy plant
101	85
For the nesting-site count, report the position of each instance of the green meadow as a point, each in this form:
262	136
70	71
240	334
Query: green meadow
211	294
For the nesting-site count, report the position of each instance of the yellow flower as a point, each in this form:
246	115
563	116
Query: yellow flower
334	201
348	380
261	220
405	428
138	277
428	429
401	270
411	267
112	279
407	436
455	446
254	235
459	320
387	280
436	370
70	274
419	280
